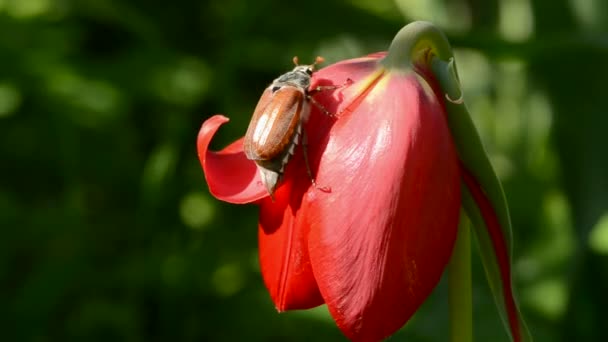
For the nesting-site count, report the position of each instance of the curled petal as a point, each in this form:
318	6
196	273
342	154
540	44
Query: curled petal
230	175
386	231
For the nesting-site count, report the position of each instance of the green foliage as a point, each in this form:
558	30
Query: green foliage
109	232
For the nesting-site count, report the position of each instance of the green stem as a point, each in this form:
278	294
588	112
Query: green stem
459	285
413	42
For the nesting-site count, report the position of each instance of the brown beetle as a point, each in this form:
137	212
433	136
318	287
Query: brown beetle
276	126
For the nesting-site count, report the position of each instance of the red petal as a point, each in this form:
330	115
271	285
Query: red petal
384	234
230	175
283	243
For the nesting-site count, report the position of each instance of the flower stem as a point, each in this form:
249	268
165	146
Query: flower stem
459	285
413	42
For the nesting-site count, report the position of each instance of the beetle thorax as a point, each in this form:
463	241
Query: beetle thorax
298	77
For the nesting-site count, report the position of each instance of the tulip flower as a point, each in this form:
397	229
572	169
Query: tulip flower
374	233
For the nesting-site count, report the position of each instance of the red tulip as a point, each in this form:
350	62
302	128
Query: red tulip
373	238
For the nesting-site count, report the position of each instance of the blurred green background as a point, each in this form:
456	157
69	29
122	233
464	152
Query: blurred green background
109	232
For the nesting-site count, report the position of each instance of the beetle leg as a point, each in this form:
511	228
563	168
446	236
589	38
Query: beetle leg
319	89
307	163
305	151
320	106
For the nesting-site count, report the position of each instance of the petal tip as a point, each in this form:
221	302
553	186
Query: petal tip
231	177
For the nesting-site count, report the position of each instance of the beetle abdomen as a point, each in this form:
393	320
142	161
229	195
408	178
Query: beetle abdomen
274	124
277	164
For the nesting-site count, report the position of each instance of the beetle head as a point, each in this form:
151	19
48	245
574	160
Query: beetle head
299	76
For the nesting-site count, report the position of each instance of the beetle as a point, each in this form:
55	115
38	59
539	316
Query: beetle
276	126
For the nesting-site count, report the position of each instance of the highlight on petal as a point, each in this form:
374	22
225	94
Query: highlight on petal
230	175
384	234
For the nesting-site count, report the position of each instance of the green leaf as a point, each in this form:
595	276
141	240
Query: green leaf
483	199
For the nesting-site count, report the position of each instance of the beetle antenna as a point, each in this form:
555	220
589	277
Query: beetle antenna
318	60
295	60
